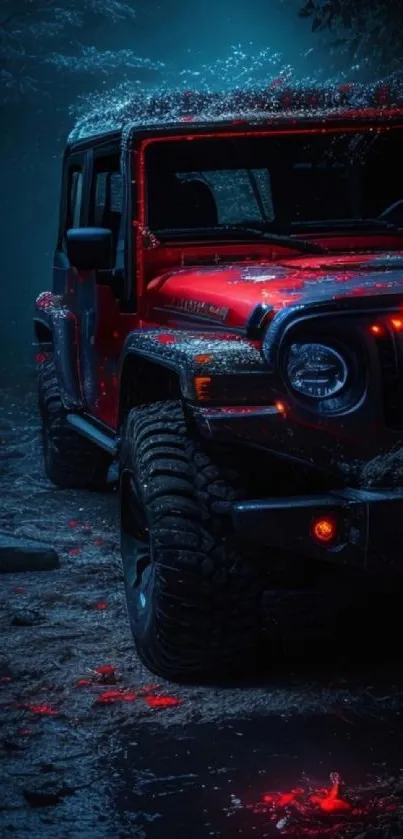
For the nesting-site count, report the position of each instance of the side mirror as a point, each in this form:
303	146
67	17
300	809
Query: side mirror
89	248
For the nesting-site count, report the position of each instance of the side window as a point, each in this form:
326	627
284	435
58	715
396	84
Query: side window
106	207
75	197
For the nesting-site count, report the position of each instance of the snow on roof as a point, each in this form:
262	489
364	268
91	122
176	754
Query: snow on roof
169	108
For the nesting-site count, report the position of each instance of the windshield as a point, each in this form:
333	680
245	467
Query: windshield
283	183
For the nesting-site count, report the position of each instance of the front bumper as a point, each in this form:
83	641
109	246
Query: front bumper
369	527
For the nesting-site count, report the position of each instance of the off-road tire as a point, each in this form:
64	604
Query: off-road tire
203	609
71	461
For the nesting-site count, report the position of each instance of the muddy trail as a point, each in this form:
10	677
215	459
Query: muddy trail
92	745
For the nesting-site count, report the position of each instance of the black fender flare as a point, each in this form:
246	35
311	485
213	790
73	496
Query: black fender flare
55	332
184	355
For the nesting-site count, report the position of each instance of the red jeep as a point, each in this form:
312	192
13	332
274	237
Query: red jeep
226	322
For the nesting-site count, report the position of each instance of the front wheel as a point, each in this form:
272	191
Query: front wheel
193	597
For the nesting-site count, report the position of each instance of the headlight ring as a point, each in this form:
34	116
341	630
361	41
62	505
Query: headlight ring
315	370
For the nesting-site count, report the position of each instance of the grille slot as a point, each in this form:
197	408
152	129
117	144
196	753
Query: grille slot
390	359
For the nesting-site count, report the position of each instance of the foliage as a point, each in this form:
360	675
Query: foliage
37	33
369	36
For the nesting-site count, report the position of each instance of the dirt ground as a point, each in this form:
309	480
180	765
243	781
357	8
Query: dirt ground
92	745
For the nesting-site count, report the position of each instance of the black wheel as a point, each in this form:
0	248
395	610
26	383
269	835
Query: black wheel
70	460
194	599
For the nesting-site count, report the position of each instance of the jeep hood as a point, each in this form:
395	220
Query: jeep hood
229	293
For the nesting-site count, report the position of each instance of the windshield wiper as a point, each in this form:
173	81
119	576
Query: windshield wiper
235	231
364	225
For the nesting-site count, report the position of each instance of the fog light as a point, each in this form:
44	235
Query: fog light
324	529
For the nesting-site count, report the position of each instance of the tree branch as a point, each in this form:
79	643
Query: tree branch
24	13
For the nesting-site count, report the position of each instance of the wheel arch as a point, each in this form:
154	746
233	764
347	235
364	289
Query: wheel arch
57	336
42	332
144	381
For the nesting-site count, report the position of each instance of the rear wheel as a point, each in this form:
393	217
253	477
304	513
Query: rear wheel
193	596
70	460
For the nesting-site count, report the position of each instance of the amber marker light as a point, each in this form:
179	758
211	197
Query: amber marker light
203	359
202	387
280	406
324	529
397	324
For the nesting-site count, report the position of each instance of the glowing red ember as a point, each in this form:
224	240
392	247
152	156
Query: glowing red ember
162	701
108	697
324	811
44	710
328	800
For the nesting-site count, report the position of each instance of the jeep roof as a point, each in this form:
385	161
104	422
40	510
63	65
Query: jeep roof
175	113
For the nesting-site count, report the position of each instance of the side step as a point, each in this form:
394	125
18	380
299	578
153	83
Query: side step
100	438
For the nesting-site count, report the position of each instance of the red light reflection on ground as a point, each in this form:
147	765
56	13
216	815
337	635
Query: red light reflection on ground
107	675
44	710
105	668
108	697
325	811
162	701
328	799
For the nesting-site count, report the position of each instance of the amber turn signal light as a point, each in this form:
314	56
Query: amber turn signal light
203	358
324	529
202	387
280	408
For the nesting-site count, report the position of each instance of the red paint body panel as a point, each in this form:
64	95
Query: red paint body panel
112	329
241	287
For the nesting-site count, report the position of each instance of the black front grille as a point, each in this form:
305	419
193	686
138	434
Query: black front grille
390	353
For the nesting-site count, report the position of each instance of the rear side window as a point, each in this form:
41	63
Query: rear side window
108	197
75	198
106	207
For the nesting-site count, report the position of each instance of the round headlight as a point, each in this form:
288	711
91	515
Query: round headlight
316	370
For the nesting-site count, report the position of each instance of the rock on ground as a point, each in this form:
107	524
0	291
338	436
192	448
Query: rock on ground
23	555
